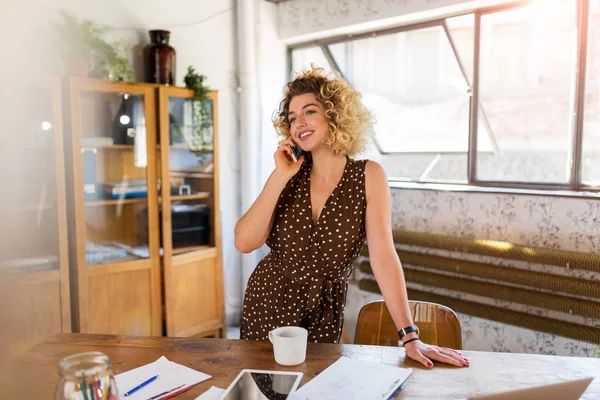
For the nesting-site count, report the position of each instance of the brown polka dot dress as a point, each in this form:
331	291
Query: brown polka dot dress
303	281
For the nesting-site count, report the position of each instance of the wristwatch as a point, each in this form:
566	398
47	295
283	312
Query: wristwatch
405	331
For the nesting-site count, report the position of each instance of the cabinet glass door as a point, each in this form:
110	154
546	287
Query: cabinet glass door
189	214
114	173
28	205
189	177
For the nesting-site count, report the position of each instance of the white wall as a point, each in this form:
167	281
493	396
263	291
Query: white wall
271	70
272	53
203	35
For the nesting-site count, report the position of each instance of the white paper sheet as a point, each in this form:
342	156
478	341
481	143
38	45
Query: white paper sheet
214	393
170	375
348	379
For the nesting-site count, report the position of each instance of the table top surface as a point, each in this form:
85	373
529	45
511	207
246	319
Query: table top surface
34	373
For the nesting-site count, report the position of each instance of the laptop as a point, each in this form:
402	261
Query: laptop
570	390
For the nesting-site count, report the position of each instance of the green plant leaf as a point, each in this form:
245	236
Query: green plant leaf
200	108
74	37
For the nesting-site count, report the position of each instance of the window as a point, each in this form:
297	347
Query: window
302	58
419	82
421	76
590	167
526	83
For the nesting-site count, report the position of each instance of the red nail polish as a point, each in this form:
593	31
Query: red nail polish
429	364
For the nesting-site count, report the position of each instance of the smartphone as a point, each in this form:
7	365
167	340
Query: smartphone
296	152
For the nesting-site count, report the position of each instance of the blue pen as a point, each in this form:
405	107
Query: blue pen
141	385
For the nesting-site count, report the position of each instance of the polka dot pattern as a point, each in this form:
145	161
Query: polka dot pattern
303	281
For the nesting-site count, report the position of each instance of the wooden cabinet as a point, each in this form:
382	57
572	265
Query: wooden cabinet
191	227
34	264
146	229
115	208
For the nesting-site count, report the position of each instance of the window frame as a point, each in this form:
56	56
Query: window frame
577	98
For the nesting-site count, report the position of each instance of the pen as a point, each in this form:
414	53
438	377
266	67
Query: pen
84	390
141	385
177	393
167	392
97	394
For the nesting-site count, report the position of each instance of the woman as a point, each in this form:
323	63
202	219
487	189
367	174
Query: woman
315	215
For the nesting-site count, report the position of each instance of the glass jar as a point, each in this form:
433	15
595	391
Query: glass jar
86	376
159	59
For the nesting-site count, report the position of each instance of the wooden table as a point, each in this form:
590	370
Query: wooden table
34	373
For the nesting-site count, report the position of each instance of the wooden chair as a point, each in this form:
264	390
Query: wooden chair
438	325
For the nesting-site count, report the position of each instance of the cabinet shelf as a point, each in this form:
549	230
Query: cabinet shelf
183	146
191	174
197	196
109	147
126	147
188	249
115	202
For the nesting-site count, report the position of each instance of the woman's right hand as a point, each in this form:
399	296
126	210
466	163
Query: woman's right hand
253	229
283	159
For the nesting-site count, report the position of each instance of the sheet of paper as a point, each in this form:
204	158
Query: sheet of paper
214	393
348	379
170	376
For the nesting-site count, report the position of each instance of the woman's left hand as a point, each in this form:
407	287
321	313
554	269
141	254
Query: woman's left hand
424	353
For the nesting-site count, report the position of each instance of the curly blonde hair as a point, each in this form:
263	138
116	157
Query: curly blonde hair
350	123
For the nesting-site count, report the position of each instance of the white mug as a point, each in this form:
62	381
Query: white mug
289	344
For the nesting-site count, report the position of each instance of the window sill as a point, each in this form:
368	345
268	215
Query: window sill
453	187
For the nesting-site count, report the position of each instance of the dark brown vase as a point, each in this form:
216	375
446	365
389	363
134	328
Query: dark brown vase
159	59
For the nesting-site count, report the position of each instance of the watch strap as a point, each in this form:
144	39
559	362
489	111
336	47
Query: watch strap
405	331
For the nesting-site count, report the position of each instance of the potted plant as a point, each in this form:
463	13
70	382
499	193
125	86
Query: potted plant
84	51
201	139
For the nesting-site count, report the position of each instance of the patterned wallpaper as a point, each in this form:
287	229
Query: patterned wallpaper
298	17
553	222
544	221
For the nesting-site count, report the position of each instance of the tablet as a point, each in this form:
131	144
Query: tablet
253	384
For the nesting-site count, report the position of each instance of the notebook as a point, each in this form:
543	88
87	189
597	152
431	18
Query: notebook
170	376
214	393
349	379
571	390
